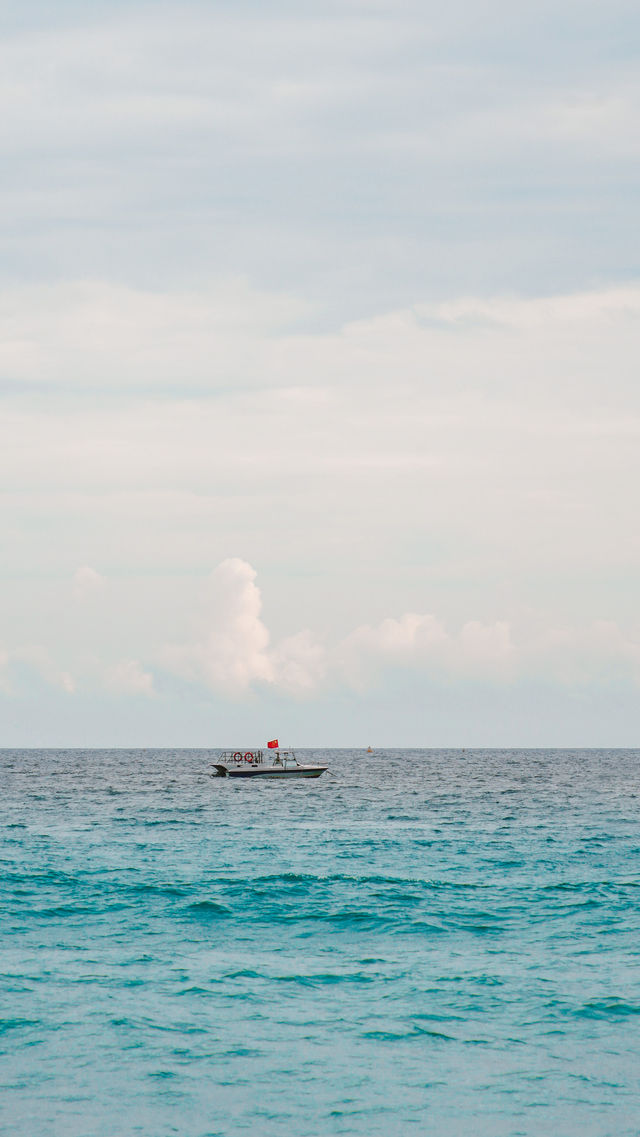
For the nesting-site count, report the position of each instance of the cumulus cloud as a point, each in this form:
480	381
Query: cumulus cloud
38	657
128	677
599	652
299	663
231	650
233	653
423	641
87	582
569	656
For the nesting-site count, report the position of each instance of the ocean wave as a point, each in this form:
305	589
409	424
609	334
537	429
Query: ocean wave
411	1034
12	1024
206	910
611	1008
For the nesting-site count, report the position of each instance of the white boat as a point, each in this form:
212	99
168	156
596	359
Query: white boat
251	764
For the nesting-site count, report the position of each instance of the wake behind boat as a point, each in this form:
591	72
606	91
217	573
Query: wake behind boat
251	764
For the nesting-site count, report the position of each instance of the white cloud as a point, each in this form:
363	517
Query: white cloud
571	657
230	650
489	432
92	333
477	651
299	664
40	659
410	463
232	341
128	677
233	654
87	582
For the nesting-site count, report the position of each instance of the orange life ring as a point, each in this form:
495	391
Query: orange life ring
249	757
237	756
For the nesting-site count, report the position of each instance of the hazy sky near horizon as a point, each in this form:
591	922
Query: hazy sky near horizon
319	331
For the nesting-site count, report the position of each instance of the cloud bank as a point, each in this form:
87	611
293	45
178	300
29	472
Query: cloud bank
232	652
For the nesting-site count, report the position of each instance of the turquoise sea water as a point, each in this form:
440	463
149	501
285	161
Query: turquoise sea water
435	942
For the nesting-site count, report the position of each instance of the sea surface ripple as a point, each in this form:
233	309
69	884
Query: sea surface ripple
427	941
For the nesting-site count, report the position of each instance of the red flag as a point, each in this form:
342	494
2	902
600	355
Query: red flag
273	745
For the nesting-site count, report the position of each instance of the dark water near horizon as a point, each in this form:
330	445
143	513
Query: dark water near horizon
432	941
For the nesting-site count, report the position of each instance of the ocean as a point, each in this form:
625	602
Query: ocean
431	941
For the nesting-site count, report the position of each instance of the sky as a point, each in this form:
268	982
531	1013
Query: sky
320	413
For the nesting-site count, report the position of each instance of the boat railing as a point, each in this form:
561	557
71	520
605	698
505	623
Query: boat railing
257	757
242	757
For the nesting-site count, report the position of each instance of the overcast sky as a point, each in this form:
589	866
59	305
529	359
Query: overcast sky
319	330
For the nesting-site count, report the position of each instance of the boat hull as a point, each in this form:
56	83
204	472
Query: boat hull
270	772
